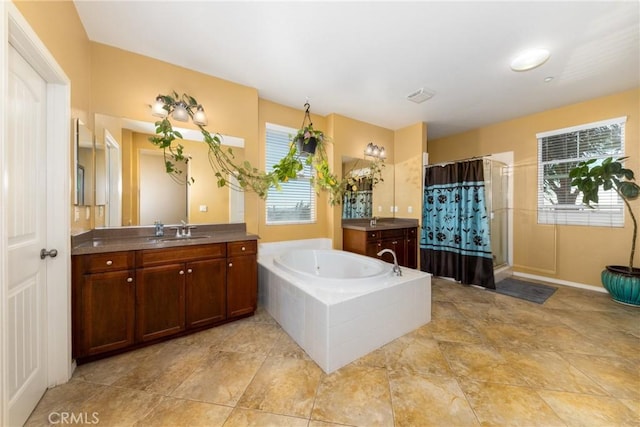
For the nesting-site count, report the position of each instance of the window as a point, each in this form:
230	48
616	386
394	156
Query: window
295	202
561	150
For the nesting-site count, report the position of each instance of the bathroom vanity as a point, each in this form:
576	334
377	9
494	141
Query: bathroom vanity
131	288
365	237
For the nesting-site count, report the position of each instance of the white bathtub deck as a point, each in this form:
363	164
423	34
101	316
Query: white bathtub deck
335	330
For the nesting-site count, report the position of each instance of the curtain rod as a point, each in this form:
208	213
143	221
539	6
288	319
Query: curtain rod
457	161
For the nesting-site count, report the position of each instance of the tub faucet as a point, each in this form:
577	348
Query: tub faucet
396	268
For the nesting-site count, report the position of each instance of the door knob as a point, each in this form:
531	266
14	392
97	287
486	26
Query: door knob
45	253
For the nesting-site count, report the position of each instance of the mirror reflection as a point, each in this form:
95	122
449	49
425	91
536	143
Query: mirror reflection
362	199
131	187
135	189
84	161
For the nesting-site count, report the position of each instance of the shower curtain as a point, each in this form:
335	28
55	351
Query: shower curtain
455	240
357	204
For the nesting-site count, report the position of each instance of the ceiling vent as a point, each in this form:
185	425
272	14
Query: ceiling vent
420	95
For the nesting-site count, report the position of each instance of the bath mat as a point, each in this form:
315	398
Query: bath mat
533	292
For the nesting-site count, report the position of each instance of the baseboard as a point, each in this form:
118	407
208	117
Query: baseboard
560	282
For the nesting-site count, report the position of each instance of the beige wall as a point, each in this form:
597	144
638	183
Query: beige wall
410	143
572	253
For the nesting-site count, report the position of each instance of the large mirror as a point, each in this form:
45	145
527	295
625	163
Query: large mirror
84	164
132	187
363	199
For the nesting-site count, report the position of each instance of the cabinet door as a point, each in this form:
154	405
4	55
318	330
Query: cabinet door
412	248
160	301
206	292
108	312
242	285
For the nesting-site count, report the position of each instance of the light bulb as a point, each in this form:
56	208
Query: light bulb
376	151
383	153
369	150
199	117
180	112
157	109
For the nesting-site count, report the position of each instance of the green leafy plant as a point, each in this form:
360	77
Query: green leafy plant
221	159
588	177
249	178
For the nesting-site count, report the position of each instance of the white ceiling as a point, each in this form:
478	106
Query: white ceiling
361	59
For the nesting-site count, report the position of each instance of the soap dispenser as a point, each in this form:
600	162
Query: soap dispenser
159	228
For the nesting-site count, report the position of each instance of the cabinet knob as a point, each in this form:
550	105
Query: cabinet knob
189	271
243	249
230	264
395	242
181	272
129	279
379	244
109	262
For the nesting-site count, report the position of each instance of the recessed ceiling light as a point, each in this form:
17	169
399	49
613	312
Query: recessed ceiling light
548	79
530	59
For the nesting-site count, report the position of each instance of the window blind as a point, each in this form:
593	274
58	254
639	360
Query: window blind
560	151
295	202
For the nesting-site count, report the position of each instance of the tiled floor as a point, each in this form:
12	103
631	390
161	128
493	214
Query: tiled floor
485	359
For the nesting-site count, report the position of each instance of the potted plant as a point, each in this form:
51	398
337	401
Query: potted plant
622	282
307	139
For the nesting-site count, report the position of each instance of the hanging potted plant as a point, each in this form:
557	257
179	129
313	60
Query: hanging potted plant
307	138
622	282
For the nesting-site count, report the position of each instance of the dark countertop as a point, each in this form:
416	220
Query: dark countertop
135	238
382	224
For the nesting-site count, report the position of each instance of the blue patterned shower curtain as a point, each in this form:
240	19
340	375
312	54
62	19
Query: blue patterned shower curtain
455	239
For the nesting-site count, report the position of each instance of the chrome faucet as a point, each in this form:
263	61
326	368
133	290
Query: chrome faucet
373	222
396	268
184	230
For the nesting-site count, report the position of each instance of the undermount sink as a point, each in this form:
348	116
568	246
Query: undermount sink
173	239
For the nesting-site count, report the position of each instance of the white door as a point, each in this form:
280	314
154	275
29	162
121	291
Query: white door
26	234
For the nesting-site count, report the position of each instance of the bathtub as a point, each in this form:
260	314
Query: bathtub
339	306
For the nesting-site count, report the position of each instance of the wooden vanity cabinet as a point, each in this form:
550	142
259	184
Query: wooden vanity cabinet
125	299
173	296
370	242
242	278
104	303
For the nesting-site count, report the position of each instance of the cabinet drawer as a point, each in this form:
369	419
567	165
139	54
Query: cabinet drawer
150	257
244	247
109	261
372	235
387	234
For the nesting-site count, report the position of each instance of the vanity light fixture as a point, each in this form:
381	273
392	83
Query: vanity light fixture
530	59
179	110
375	151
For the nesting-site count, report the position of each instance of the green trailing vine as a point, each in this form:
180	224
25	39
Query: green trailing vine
249	178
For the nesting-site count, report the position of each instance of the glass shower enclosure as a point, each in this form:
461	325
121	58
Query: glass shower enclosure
496	176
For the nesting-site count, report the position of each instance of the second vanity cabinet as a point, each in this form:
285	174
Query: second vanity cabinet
125	299
369	242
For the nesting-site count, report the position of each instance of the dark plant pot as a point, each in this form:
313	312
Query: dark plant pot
622	284
309	147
